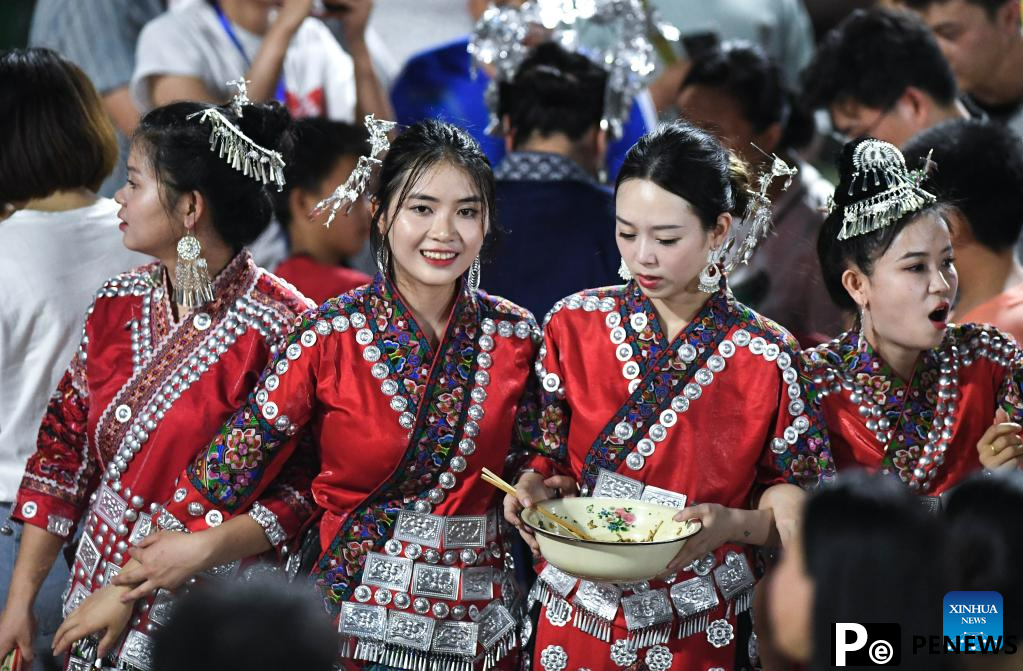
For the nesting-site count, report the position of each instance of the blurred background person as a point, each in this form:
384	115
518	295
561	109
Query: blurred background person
981	40
323	155
978	167
557	221
263	625
99	36
987	549
867	552
736	91
59	243
881	74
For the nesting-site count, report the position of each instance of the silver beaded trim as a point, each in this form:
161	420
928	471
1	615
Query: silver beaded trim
692	391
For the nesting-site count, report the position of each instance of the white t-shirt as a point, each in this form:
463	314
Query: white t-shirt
51	265
190	41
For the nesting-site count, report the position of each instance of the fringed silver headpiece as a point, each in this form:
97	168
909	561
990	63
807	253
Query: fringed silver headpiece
626	43
881	190
755	225
346	194
239	150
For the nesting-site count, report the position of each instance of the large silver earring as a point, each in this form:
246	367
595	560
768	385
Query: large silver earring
192	284
710	276
473	280
624	272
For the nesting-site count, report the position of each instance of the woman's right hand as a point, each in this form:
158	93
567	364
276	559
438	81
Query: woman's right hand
1001	446
17	629
532	488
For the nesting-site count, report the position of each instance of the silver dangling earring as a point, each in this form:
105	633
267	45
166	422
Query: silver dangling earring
710	276
473	280
192	284
382	259
624	272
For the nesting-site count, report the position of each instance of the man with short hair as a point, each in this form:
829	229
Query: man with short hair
559	231
982	41
880	74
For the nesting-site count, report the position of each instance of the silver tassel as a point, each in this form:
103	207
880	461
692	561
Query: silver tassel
691	625
192	285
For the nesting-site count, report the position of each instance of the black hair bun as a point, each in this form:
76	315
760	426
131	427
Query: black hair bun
268	124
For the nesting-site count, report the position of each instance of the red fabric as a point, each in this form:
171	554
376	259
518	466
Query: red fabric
319	281
717	451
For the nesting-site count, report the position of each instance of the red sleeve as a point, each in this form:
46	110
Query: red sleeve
62	472
260	454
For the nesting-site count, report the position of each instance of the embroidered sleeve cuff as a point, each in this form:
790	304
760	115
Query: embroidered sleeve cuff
46	512
267	519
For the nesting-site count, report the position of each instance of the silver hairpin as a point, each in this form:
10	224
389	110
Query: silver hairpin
755	225
346	194
241	96
240	151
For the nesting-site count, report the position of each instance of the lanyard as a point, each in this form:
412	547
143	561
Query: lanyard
225	23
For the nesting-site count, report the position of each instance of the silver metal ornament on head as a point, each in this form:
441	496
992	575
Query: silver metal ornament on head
346	194
239	150
192	285
624	37
881	190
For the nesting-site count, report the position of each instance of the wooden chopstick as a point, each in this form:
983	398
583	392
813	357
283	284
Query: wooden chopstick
492	478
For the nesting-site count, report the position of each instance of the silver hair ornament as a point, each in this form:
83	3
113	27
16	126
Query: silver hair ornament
239	150
632	39
346	194
755	224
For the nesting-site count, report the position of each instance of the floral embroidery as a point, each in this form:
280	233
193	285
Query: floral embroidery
242	451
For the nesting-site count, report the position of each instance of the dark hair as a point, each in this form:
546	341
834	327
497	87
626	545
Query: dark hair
54	131
989	6
554	91
860	251
978	165
690	163
178	149
259	625
872	57
874	554
420	147
754	81
987	547
317	145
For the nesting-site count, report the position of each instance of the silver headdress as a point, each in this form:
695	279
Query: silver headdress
346	194
239	150
755	224
621	36
876	188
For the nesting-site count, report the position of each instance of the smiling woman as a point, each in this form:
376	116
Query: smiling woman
907	393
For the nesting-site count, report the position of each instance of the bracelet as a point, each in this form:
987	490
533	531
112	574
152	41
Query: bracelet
266	518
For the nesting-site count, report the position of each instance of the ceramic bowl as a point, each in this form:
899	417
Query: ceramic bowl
632	540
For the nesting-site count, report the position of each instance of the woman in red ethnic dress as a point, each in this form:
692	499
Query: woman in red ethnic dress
907	393
158	372
410	386
667	389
